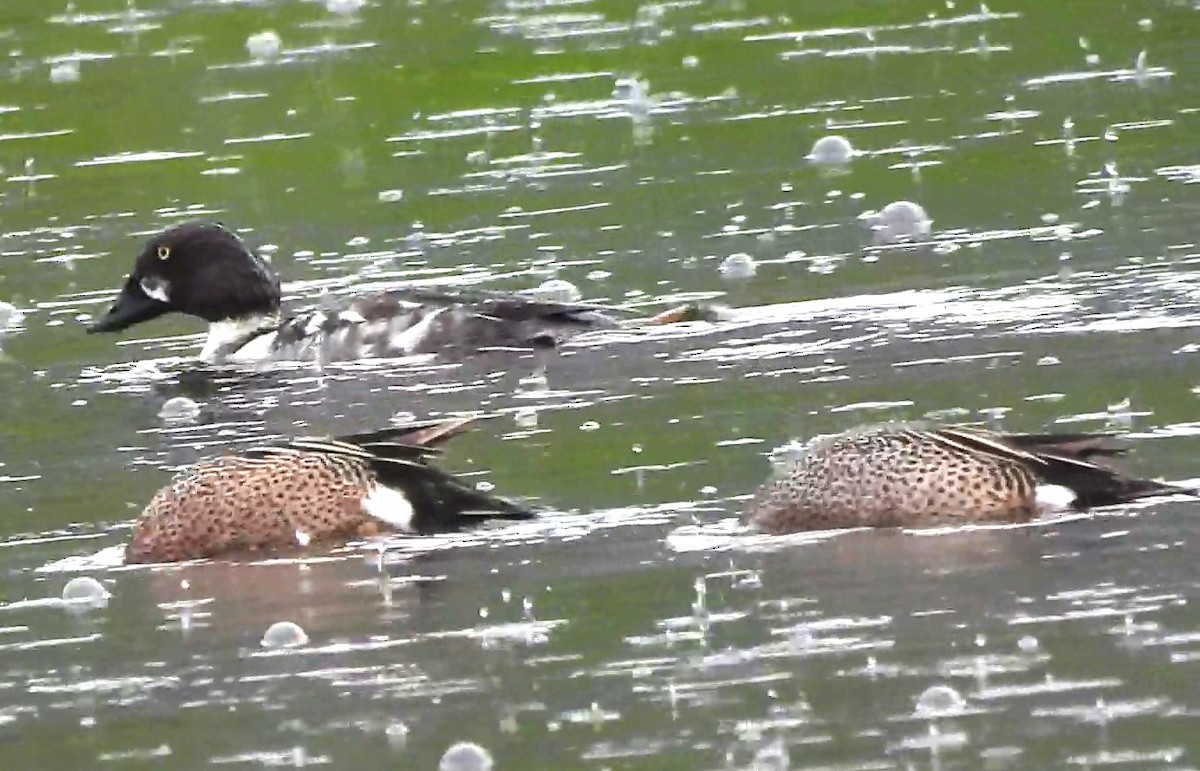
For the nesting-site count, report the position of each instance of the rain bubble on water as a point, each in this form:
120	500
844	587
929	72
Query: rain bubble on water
897	221
556	290
8	312
939	701
85	592
1028	644
284	634
466	756
264	45
832	149
390	196
738	266
179	409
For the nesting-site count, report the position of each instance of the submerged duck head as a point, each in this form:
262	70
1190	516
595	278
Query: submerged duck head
200	269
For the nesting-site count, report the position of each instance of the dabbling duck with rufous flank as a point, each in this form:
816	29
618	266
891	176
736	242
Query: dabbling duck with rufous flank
311	491
913	475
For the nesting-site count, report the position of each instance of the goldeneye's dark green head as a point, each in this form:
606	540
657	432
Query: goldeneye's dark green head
200	269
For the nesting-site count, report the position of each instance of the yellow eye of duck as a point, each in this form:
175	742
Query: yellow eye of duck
164	252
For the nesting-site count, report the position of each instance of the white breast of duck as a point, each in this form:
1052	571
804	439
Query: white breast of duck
205	270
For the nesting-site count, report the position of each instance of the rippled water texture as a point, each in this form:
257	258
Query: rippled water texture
1043	278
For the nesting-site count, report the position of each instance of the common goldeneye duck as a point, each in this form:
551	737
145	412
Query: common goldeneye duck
313	490
204	270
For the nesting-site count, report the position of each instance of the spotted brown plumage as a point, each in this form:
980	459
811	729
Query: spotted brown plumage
912	475
312	490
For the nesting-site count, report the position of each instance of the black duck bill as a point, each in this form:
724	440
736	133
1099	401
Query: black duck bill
138	301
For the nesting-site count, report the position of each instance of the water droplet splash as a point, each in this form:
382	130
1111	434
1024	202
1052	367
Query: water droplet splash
344	7
8	312
738	266
264	45
397	735
65	71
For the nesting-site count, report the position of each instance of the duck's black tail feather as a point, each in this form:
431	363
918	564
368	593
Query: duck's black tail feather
1077	462
440	500
1084	447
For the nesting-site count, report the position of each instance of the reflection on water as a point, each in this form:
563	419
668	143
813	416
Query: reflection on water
1041	275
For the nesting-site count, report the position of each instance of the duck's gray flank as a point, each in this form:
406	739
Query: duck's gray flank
312	490
915	475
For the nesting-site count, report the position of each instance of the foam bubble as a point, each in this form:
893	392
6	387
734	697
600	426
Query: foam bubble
85	592
832	149
466	756
264	45
284	634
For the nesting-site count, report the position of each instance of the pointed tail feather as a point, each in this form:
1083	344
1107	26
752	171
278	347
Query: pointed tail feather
440	500
1096	485
1081	446
425	433
1078	461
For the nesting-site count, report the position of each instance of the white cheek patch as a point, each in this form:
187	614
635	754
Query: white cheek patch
156	289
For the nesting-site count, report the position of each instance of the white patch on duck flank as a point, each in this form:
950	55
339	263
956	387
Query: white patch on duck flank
389	505
409	341
156	288
260	348
344	341
228	338
316	323
1053	497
